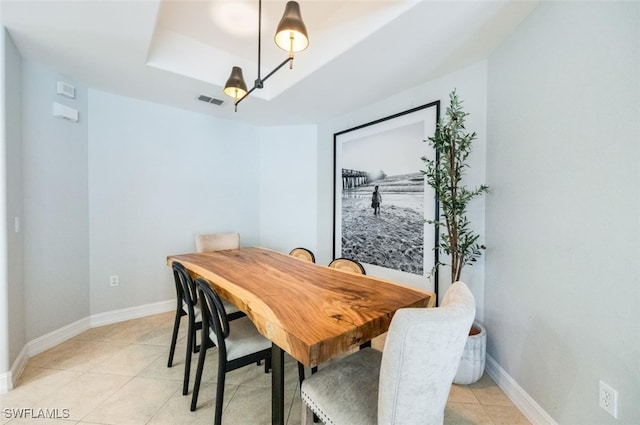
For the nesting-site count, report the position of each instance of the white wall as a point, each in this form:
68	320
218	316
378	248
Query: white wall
15	241
157	177
288	182
4	275
562	275
55	224
471	86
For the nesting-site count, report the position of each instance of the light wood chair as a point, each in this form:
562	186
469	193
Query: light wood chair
238	345
217	242
303	254
409	382
347	265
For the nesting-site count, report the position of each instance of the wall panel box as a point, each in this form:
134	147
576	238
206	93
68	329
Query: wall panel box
61	111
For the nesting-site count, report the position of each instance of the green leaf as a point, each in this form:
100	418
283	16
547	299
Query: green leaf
453	144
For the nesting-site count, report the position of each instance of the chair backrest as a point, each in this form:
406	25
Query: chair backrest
185	288
347	265
214	316
303	254
421	355
217	241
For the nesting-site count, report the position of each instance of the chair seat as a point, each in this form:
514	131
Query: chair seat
229	307
243	339
345	392
196	311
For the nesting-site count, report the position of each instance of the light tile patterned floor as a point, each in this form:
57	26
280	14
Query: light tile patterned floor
117	374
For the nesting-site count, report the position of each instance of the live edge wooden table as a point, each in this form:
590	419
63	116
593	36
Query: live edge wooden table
312	312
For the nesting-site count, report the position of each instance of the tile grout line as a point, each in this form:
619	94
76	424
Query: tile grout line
106	399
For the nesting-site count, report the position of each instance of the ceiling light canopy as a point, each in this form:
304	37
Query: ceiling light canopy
291	35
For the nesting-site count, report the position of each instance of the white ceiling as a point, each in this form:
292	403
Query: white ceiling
172	51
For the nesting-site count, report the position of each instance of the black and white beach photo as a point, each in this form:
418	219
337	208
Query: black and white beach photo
381	194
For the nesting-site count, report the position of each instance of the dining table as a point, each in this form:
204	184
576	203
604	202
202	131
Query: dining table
310	311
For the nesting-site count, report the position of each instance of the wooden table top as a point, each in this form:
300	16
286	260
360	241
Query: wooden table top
312	312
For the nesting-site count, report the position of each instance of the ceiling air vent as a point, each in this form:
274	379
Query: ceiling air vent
209	99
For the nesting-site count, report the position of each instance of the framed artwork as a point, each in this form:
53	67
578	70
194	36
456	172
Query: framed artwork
381	200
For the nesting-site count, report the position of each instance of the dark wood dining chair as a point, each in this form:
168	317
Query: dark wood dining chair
239	344
187	305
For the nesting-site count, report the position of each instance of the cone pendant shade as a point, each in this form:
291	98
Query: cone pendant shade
292	26
235	86
291	36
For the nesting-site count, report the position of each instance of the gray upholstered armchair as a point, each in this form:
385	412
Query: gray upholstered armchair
407	384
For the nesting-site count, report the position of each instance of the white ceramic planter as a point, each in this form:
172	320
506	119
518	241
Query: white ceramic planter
473	358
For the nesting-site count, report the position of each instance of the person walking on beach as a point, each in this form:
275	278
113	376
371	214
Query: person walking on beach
376	200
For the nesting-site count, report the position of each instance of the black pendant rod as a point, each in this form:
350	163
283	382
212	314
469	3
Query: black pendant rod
259	83
258	80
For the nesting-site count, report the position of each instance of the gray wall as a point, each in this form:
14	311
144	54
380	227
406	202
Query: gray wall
56	226
562	287
157	177
137	183
15	240
4	273
288	181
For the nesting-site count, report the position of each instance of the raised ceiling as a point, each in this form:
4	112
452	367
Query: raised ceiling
172	51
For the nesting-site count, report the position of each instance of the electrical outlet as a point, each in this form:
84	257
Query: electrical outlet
609	399
114	280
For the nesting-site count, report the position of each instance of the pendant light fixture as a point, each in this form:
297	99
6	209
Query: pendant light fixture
291	35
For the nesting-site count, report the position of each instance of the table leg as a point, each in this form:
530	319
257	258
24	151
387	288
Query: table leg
277	385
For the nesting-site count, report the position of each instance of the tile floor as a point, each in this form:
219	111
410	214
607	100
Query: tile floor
117	374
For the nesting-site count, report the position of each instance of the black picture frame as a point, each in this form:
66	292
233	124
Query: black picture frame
395	243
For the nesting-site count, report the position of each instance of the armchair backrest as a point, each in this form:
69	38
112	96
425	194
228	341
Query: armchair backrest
421	356
303	254
347	265
217	241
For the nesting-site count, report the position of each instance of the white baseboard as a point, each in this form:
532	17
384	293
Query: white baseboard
44	342
36	346
6	383
50	340
18	366
121	315
528	406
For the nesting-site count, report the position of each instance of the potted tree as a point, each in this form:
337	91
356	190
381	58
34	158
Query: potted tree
459	243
